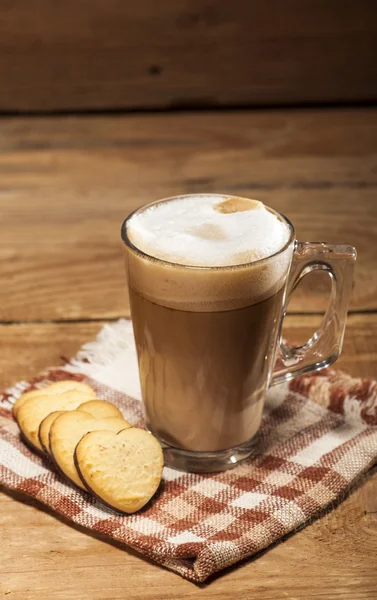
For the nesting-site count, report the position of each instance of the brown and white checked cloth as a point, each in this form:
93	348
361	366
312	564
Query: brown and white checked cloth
318	435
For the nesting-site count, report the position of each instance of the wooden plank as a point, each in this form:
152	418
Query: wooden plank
67	184
96	55
43	556
27	348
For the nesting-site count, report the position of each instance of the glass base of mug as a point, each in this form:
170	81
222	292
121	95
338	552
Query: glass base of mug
208	462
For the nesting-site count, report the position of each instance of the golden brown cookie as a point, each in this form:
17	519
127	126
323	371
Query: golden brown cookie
66	432
44	429
101	409
124	470
31	414
54	389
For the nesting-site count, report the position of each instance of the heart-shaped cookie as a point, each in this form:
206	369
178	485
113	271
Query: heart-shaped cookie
55	389
123	470
44	429
99	409
67	430
31	413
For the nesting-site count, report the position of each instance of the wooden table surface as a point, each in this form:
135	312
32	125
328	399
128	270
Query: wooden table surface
66	184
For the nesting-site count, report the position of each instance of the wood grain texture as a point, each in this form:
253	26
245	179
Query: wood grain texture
27	348
45	557
67	184
117	54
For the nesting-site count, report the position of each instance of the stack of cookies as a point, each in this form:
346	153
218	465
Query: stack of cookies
91	443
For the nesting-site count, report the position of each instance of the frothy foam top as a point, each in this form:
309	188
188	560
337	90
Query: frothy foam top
208	230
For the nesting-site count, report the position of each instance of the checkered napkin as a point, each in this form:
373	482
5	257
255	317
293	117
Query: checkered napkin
319	434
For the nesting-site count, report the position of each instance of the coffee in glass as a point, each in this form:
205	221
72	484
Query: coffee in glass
207	281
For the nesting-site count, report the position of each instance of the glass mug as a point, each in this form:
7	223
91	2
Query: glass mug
207	352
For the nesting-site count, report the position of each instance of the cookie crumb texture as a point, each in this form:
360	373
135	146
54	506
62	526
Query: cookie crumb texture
55	389
35	410
66	432
101	409
124	470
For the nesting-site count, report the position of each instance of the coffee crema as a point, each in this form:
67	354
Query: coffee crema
208	252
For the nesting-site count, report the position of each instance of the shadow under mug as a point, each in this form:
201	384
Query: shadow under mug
209	342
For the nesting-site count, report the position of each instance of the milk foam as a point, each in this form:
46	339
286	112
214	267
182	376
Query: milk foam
208	230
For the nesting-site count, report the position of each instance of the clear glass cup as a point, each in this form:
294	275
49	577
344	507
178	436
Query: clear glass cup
207	357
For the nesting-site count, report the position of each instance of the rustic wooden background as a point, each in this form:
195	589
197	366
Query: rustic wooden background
96	54
67	182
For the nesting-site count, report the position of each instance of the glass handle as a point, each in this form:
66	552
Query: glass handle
324	347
